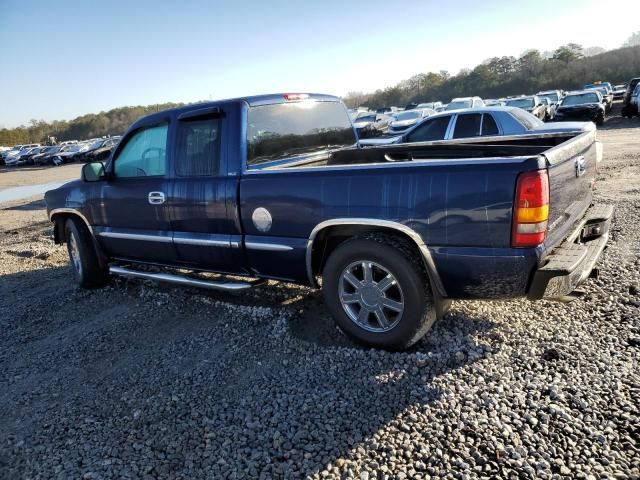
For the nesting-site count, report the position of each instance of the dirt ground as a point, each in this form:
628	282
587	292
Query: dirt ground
140	380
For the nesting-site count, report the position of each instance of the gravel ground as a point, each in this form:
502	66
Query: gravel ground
140	380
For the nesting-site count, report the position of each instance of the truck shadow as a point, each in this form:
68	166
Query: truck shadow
252	386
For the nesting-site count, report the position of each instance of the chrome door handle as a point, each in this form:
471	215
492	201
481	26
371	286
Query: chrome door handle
156	198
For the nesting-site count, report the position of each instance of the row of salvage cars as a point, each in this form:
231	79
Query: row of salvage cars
97	149
591	104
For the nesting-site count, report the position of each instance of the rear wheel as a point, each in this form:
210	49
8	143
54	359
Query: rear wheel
82	256
378	292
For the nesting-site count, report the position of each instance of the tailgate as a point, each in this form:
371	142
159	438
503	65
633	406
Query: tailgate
572	174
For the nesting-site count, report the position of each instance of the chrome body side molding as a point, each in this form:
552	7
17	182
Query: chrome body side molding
137	236
426	254
268	247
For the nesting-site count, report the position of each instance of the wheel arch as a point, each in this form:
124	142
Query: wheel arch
59	217
327	235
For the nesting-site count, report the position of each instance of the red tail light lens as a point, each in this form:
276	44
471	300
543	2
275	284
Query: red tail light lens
531	209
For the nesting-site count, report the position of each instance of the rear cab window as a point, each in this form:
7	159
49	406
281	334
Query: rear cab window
287	131
198	147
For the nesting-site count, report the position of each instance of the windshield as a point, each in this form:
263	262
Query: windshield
580	99
459	104
521	103
553	97
525	118
289	130
408	115
96	144
366	118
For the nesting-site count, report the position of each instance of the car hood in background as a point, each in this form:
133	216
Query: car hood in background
404	123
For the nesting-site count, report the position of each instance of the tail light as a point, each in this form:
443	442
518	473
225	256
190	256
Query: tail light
530	209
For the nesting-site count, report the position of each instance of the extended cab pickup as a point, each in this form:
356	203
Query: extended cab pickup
277	187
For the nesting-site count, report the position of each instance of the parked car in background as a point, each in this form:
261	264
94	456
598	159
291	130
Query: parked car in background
45	155
90	147
407	119
494	102
627	111
582	105
531	104
554	96
372	124
465	102
550	109
431	105
19	157
605	90
387	110
102	153
618	91
480	122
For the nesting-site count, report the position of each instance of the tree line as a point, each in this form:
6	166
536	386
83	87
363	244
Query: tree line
568	67
92	125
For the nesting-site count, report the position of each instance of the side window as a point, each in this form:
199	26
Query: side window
434	129
467	126
198	147
489	126
144	154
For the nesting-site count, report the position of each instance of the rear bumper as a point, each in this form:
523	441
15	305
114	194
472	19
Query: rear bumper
572	262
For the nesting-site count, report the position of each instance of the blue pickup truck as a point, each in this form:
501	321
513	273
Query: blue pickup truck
225	194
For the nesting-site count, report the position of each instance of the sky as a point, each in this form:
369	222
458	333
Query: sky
62	59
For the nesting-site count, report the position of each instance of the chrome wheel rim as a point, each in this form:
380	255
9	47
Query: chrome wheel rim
74	253
371	296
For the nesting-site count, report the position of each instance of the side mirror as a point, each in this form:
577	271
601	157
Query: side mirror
93	172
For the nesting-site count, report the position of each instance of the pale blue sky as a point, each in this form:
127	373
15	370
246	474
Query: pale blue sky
64	58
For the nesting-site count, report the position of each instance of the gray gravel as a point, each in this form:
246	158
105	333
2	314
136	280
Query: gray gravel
140	380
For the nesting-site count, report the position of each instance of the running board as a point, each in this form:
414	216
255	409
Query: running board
180	280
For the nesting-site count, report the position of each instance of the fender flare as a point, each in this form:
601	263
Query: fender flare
102	258
434	277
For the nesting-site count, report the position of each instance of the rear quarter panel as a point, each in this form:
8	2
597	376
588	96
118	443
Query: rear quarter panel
451	204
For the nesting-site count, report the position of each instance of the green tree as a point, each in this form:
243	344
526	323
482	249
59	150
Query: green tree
633	40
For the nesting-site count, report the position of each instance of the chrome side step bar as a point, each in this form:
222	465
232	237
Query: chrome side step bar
180	280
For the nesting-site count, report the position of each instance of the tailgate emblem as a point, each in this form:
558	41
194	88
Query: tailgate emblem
581	166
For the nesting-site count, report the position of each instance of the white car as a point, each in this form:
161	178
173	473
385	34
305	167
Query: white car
407	119
465	102
16	158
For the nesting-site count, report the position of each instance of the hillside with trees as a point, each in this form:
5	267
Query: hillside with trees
568	67
92	125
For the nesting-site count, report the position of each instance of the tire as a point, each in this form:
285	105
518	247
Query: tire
600	120
385	255
82	256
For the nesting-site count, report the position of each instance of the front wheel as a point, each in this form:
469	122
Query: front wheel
378	292
82	256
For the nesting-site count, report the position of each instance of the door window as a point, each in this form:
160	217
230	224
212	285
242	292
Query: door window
467	126
434	129
144	154
489	126
198	147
